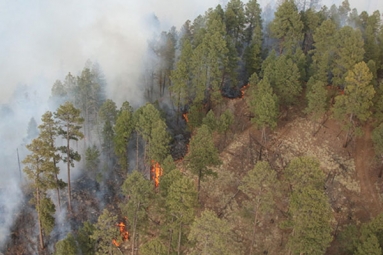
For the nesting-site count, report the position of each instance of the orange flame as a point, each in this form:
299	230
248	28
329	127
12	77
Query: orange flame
156	172
185	116
243	90
115	243
124	234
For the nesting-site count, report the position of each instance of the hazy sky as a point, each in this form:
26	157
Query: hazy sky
42	41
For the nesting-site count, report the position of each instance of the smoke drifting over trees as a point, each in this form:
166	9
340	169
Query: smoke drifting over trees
42	42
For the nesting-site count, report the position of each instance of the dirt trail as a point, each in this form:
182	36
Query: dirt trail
364	158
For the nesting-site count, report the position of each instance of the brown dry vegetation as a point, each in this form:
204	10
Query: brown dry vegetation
352	184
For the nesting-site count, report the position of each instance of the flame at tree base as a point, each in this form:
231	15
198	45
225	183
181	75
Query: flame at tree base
156	172
124	234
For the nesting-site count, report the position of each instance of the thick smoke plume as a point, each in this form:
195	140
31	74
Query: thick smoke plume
42	41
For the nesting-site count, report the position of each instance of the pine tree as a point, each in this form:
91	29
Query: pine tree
310	220
317	102
69	122
262	187
66	246
264	105
354	106
105	231
38	168
123	130
323	50
287	85
211	234
253	38
348	51
370	246
287	27
202	154
180	77
180	203
139	191
48	133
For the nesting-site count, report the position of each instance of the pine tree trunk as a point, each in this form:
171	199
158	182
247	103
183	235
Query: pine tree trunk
254	231
170	241
68	165
179	240
41	238
134	228
137	151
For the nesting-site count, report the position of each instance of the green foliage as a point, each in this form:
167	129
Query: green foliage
322	53
211	235
356	102
264	105
108	111
104	232
153	246
287	26
66	246
167	180
46	210
195	116
254	38
69	122
180	76
139	191
181	202
310	219
225	121
287	86
348	238
370	246
210	120
159	142
348	52
303	172
123	130
262	187
317	101
85	243
202	154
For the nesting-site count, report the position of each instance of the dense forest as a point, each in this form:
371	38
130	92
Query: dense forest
259	135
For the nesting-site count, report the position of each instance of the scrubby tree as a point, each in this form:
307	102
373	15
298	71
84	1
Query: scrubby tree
69	122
